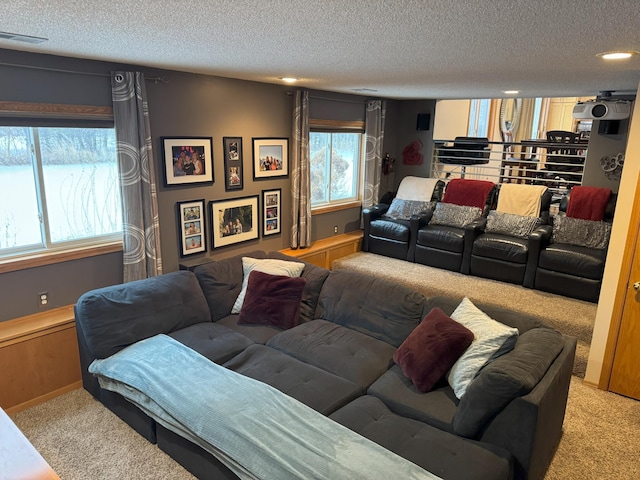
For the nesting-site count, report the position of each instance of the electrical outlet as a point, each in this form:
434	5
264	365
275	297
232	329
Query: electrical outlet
335	229
43	299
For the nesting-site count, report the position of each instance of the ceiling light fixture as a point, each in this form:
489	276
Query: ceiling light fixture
289	79
617	55
511	92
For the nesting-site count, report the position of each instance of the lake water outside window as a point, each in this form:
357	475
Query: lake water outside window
58	186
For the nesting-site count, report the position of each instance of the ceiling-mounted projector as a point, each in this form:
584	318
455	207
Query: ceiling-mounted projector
602	110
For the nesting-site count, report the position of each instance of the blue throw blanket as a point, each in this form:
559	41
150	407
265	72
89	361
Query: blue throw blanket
254	429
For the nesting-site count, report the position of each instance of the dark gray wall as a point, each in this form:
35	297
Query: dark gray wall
64	282
190	105
601	145
400	131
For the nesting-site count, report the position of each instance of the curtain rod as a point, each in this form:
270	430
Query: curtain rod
60	70
315	97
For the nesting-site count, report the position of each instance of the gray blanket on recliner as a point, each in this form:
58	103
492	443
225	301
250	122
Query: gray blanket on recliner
256	430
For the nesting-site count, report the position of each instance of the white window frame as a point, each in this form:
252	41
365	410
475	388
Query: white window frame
476	115
336	126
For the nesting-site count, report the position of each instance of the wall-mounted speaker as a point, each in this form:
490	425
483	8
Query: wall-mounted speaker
423	121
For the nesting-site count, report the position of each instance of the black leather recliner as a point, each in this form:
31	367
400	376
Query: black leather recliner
447	246
569	269
506	257
389	236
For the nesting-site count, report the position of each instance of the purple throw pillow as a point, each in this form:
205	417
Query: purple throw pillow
430	351
272	300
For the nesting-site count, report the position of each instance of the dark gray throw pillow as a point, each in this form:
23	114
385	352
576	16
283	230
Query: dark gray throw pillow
512	375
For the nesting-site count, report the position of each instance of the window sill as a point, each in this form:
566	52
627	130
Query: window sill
336	207
50	258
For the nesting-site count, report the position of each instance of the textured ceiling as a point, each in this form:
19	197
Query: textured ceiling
394	49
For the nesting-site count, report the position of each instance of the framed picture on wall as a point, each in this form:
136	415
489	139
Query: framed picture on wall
233	175
270	157
191	227
271	211
187	160
234	220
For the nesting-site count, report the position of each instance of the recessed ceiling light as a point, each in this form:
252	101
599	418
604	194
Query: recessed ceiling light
617	55
511	92
289	79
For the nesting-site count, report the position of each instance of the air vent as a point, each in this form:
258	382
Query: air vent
22	38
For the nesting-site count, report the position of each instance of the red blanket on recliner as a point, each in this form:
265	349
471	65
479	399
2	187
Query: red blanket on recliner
470	193
588	203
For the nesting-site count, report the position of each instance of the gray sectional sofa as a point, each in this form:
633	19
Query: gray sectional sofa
338	360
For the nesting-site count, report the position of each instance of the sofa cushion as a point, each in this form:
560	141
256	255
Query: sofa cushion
272	300
432	348
501	247
336	349
266	265
512	318
315	277
436	407
221	282
510	224
311	385
116	316
492	339
512	375
438	452
374	306
257	333
390	229
573	260
450	239
454	215
583	233
216	342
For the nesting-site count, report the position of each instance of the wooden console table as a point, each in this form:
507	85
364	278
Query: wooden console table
323	252
19	460
39	358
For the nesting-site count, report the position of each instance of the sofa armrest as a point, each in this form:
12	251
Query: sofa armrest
471	232
369	215
416	222
539	238
540	412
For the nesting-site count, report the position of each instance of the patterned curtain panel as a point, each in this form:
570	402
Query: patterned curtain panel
301	173
374	135
141	254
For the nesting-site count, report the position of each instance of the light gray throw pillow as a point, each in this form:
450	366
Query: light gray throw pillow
583	233
403	209
510	224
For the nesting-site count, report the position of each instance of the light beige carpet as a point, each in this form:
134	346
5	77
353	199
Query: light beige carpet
82	440
567	315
